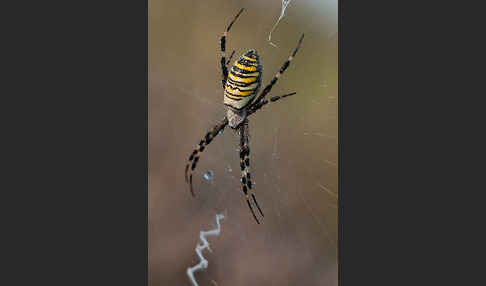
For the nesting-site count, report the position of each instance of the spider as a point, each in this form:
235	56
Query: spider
240	85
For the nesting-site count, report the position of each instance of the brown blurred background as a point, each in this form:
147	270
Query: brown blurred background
293	145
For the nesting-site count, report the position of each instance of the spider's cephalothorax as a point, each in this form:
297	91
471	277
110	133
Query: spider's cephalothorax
240	84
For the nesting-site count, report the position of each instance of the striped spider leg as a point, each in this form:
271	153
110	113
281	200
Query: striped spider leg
267	89
246	184
194	158
224	68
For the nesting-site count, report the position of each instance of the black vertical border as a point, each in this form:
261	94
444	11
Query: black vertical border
75	142
400	105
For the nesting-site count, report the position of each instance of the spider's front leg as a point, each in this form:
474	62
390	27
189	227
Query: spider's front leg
260	104
245	167
194	158
229	60
224	68
267	89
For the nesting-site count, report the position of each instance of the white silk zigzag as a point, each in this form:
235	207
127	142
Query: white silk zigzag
203	263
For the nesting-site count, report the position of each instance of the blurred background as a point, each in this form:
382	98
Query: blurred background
294	146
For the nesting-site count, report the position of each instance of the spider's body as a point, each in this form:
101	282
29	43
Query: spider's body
243	81
241	85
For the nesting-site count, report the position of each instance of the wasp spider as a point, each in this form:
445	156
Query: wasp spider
240	85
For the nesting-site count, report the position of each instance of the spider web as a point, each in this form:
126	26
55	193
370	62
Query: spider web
293	156
285	3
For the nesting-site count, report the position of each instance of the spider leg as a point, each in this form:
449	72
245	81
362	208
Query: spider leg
245	168
260	104
194	158
231	56
282	69
224	69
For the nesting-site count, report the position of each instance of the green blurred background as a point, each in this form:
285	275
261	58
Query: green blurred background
294	146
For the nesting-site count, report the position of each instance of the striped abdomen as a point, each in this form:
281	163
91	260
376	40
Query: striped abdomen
243	81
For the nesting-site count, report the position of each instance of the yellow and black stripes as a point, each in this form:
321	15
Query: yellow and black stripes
194	158
243	81
245	168
277	76
222	42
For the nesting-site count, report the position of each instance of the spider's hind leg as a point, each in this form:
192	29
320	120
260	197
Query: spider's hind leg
245	168
194	158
